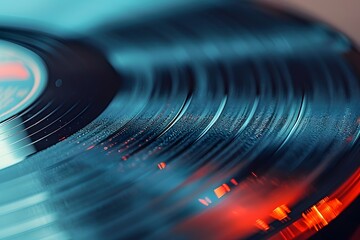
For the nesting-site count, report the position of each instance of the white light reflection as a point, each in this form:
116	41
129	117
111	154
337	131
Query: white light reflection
14	143
25	211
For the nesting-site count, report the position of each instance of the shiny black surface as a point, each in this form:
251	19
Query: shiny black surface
80	86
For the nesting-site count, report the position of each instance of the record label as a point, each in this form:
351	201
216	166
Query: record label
22	78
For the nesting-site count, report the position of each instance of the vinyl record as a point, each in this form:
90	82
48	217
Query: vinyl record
50	89
230	121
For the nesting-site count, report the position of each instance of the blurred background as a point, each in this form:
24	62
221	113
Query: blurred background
78	17
343	15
